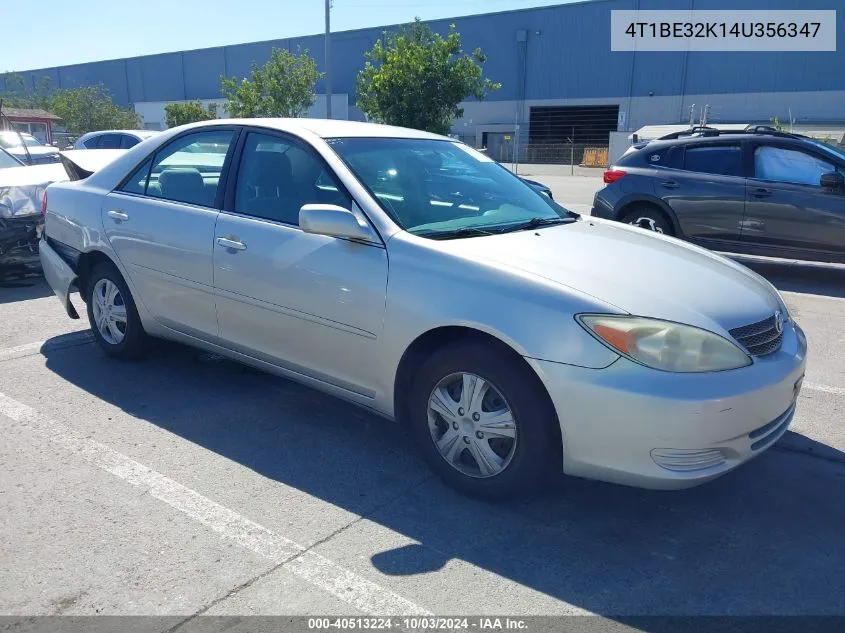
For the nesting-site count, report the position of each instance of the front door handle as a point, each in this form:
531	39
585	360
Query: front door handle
760	192
670	184
118	214
235	245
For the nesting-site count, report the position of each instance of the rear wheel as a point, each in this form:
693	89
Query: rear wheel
484	422
112	314
650	219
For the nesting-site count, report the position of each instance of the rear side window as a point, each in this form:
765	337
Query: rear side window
722	160
92	143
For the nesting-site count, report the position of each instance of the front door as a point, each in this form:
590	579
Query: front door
161	226
708	193
787	208
309	303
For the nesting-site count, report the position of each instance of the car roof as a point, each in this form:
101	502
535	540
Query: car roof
141	133
329	128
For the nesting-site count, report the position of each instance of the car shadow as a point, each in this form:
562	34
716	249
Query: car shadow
18	287
800	277
765	539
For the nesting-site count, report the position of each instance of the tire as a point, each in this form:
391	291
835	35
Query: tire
650	219
127	341
527	462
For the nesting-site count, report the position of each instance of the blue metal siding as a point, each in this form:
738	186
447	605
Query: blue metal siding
202	72
568	57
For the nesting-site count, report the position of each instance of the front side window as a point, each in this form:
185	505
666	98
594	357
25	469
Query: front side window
277	177
181	172
778	164
127	141
721	160
441	188
109	141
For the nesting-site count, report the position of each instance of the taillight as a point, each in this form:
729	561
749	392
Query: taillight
44	204
612	175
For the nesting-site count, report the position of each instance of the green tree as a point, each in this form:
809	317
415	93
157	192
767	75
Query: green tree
188	112
284	86
415	78
88	109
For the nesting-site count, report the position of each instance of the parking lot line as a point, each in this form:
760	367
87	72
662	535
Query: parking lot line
365	595
839	391
69	340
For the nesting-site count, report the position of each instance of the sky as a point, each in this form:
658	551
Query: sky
80	31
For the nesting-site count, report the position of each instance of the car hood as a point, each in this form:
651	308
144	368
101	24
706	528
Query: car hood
637	271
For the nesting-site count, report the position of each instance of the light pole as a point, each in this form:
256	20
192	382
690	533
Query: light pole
328	60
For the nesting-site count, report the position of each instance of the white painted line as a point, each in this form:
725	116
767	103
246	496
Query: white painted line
839	391
363	594
68	340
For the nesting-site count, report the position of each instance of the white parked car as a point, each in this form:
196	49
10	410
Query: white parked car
414	276
112	139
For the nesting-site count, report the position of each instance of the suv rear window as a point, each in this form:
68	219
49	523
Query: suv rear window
723	160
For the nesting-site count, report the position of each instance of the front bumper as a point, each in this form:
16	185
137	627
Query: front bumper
636	426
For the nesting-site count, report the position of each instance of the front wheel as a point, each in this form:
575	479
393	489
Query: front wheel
112	314
484	422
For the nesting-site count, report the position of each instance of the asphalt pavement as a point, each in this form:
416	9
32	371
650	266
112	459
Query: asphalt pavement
187	485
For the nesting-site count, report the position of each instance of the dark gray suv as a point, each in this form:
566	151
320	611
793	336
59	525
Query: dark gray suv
759	191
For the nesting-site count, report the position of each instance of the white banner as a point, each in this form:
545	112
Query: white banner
723	30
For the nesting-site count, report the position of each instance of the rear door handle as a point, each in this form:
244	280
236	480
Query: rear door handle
670	184
235	245
119	215
760	192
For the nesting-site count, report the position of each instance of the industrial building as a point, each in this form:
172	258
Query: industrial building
561	83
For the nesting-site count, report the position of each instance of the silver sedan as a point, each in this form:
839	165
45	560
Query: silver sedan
411	275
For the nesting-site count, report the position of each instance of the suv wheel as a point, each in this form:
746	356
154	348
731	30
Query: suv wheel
650	219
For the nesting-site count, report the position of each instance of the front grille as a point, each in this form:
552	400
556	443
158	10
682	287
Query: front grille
759	338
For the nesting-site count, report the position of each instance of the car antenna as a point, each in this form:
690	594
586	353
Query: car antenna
14	129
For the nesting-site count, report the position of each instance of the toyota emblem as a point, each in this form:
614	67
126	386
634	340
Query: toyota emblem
779	322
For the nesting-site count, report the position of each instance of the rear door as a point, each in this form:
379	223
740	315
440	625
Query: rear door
707	190
160	223
787	208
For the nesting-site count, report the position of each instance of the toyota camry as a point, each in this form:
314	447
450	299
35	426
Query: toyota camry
412	275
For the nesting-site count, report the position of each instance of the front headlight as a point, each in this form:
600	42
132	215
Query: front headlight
665	345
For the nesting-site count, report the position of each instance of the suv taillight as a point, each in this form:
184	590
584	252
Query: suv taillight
612	175
44	204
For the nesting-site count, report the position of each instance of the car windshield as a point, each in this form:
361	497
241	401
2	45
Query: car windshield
838	153
12	139
440	188
6	160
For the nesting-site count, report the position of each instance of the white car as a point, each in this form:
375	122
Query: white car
414	276
113	139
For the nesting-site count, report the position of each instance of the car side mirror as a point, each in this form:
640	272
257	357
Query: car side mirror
334	221
832	180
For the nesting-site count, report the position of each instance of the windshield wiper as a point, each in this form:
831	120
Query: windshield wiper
466	231
535	223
